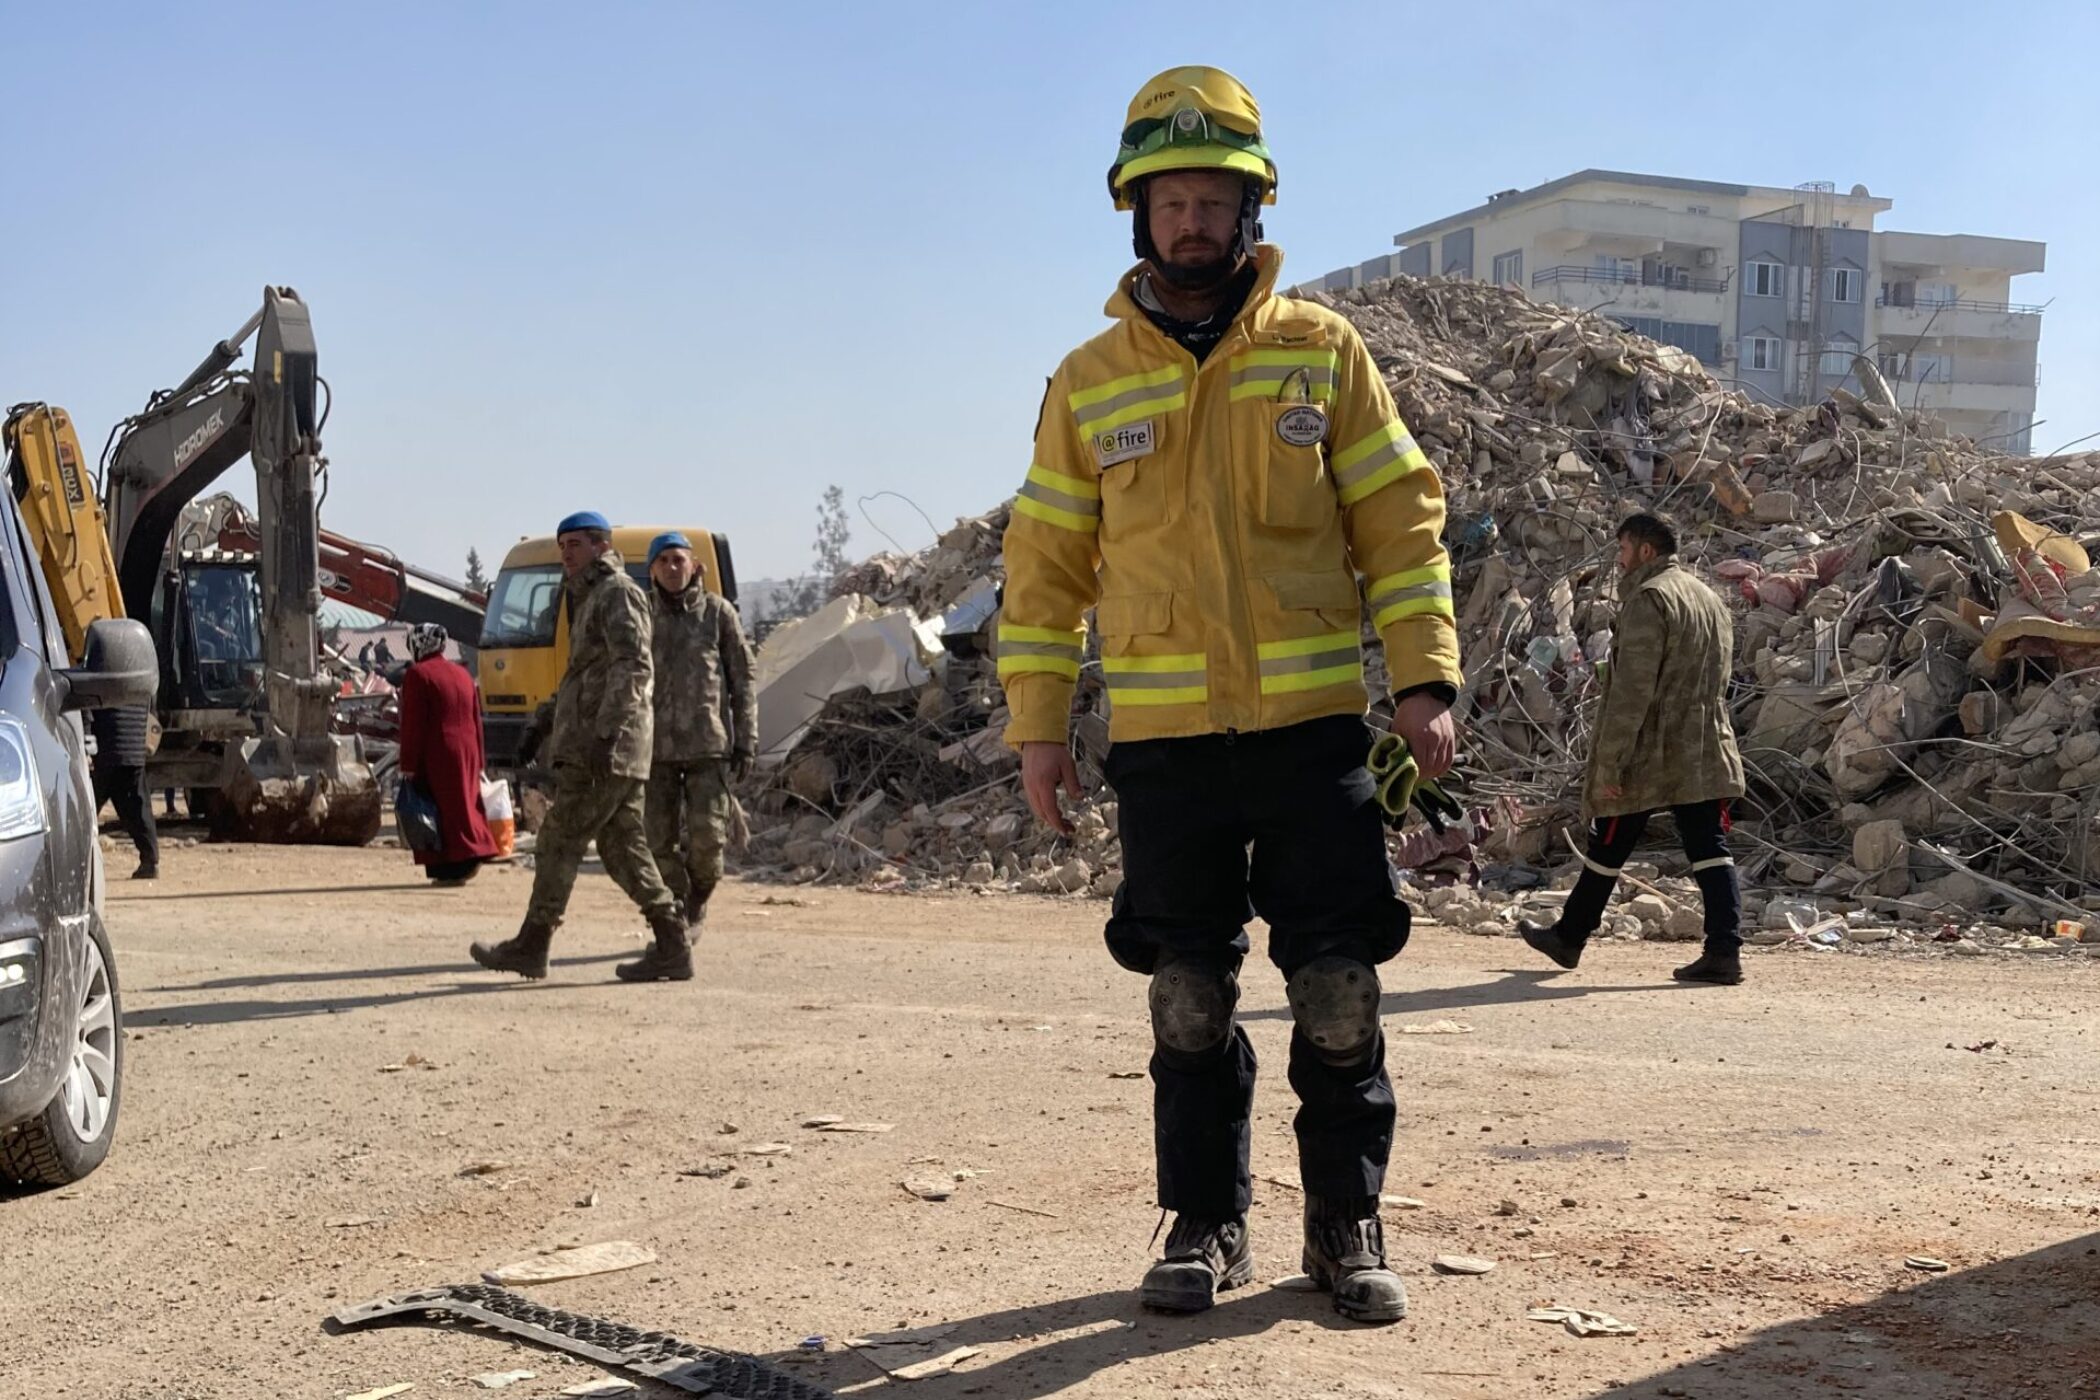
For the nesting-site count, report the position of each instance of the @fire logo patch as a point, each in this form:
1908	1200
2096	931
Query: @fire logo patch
1127	442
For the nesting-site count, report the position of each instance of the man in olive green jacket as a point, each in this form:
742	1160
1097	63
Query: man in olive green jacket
597	734
706	723
1663	740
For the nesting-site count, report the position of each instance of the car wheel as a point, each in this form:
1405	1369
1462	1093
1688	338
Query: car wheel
71	1136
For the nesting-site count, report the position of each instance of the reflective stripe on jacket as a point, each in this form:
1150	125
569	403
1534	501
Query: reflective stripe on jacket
1217	520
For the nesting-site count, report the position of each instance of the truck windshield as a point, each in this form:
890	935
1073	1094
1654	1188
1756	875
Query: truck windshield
521	607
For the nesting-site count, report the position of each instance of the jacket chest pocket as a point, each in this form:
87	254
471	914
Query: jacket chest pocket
1143	492
1282	391
1297	490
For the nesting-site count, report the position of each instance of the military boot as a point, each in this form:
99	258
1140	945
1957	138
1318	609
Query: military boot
525	955
1345	1253
696	897
1548	939
669	959
1203	1259
1714	969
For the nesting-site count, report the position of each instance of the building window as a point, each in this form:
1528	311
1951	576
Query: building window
1938	293
1932	369
1837	358
1844	284
1765	279
1761	352
1697	209
1509	267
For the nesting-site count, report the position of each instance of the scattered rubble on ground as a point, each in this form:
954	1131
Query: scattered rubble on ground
1917	648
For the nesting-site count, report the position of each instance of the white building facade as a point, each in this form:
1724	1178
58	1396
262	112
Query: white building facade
1774	289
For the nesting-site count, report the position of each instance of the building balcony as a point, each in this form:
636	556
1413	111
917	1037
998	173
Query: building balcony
1967	397
1962	320
1603	218
1629	277
1626	293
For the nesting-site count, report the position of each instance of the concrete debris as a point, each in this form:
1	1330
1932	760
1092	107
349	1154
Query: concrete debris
580	1262
1912	609
1917	646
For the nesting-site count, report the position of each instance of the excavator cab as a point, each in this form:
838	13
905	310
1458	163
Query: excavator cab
210	628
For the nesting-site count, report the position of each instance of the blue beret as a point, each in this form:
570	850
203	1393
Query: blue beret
671	539
584	520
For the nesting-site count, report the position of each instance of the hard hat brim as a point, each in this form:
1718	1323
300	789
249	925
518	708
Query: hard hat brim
1195	158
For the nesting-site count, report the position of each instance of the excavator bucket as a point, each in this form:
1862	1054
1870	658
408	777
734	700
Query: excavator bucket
283	791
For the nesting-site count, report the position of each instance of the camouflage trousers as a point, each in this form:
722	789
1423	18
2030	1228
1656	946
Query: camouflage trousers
595	806
689	822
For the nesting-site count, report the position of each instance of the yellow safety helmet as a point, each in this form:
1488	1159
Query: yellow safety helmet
1192	118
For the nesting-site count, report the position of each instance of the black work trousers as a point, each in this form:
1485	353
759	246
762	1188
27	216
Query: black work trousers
1703	828
1217	828
124	786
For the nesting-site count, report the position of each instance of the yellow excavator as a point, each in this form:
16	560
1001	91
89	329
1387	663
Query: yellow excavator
65	519
244	705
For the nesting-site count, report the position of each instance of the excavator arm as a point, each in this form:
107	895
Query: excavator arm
49	479
378	581
294	780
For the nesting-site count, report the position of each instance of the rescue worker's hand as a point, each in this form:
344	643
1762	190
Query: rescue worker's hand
528	746
1613	792
740	765
1046	767
1432	735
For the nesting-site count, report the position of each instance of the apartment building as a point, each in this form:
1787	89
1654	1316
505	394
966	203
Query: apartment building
1774	289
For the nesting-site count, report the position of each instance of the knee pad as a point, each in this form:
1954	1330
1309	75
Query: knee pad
1192	1006
1334	1000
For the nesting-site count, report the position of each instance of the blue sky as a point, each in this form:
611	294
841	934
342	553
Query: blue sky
697	262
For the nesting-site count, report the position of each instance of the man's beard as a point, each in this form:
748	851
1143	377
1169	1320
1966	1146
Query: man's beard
1203	276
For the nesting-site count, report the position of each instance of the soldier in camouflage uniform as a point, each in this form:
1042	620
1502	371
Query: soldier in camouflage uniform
1663	740
706	722
597	732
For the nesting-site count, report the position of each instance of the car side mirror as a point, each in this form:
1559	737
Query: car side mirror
120	669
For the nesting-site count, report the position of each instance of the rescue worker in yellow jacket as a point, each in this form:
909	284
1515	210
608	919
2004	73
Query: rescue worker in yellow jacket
1212	475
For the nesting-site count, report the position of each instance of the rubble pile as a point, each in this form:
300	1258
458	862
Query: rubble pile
1918	643
914	787
1916	617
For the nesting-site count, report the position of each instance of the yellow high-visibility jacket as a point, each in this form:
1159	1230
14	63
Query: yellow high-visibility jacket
1216	519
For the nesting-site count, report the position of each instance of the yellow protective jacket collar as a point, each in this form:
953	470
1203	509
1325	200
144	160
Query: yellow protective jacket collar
1227	526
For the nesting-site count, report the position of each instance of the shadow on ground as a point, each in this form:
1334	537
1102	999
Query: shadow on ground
1108	1330
1514	987
360	974
226	1013
2021	1326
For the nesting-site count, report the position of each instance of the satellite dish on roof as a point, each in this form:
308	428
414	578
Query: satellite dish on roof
1859	191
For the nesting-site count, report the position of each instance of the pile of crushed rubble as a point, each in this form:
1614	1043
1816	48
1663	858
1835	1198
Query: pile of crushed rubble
1918	642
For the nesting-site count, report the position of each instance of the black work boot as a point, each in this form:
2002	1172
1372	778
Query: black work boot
525	954
1345	1253
1203	1259
669	959
148	870
1548	939
696	898
1715	969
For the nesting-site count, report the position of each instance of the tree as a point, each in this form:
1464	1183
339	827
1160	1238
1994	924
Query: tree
813	590
477	581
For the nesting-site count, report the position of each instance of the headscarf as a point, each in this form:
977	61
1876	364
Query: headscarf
425	640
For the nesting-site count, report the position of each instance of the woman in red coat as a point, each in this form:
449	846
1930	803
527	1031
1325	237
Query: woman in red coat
441	746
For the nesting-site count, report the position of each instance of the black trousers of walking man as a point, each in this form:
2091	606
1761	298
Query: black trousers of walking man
124	786
1703	829
1216	828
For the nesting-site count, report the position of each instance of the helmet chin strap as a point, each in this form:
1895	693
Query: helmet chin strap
1204	276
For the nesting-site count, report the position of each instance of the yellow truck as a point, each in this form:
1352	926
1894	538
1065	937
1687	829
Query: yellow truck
525	633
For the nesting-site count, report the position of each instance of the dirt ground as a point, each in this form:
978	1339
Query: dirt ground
1739	1173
